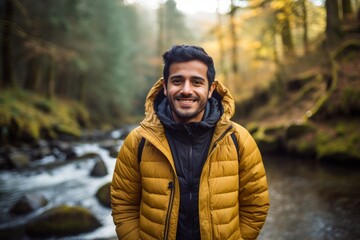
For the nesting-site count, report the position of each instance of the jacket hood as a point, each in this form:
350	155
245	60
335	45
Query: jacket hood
156	95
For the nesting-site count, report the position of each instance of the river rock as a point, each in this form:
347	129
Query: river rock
63	149
19	160
114	151
62	221
112	146
268	139
267	144
99	169
304	146
28	203
103	195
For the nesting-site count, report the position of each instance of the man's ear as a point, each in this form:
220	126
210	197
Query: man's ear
211	90
164	86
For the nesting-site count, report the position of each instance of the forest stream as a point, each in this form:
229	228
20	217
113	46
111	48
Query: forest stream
308	200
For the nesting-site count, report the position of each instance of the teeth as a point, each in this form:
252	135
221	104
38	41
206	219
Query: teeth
187	101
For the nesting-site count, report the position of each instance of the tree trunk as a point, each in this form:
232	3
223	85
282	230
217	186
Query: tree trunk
8	77
347	9
305	27
83	88
50	93
33	76
161	35
220	38
286	37
332	23
234	50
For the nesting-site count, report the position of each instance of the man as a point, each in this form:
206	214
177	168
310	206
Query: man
198	175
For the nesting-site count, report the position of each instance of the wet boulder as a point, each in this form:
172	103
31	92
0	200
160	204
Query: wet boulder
103	195
269	139
267	144
99	169
114	151
304	146
112	146
62	221
28	203
19	160
63	150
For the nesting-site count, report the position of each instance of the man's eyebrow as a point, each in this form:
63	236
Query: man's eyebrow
176	76
198	78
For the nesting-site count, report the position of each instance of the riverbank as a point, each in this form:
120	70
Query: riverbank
312	112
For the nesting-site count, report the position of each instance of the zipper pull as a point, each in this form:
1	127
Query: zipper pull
171	185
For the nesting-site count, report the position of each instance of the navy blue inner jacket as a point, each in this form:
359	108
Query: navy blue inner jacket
189	144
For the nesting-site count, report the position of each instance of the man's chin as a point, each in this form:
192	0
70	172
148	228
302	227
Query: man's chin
186	117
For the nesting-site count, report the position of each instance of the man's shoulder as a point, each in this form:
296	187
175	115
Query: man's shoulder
133	135
240	129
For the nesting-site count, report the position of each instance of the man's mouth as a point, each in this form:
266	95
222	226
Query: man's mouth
187	100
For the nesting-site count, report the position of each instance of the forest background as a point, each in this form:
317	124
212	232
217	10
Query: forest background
74	65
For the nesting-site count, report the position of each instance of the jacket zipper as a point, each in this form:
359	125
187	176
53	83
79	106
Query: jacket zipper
168	214
191	187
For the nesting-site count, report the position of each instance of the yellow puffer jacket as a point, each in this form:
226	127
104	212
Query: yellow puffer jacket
233	194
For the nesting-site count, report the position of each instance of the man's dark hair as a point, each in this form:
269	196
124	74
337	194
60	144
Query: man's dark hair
185	53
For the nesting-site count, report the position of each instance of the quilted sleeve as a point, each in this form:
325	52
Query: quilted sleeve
125	189
253	193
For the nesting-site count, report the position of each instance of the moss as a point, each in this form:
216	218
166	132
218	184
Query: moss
62	221
28	115
267	143
303	146
103	195
252	127
335	147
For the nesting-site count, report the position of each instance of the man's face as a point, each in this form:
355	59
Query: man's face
188	90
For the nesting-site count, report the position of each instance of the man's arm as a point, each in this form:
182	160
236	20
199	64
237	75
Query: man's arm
126	190
253	194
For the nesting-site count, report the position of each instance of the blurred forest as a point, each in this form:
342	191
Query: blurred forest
72	65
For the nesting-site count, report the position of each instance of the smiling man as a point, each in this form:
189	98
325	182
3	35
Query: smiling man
188	90
188	171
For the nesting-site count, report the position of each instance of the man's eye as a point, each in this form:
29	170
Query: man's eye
176	81
197	82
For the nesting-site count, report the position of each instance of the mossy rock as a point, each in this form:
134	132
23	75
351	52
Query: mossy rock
62	221
340	148
267	144
252	127
303	146
103	195
276	131
19	160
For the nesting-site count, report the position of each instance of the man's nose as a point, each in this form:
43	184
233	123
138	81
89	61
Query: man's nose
187	88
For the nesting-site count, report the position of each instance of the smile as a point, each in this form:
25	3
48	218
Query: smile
187	100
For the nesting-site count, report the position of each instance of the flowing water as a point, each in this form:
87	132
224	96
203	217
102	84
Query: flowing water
308	201
70	184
